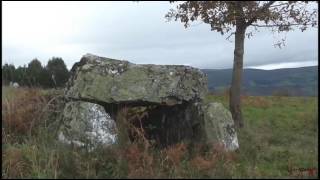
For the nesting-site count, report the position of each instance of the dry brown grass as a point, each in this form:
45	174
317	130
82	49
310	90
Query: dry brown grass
202	164
21	113
135	151
175	153
15	165
140	162
257	101
210	159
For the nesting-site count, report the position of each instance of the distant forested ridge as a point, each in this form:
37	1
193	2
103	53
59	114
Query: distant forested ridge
301	81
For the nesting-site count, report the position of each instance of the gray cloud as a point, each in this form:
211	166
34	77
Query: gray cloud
138	32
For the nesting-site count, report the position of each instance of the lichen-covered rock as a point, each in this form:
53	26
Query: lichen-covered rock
99	79
87	124
170	98
219	126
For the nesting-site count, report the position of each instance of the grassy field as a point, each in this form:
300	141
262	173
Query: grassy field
279	140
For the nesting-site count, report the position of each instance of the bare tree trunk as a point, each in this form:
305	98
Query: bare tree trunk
235	90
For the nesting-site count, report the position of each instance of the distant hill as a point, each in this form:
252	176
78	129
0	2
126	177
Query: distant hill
291	81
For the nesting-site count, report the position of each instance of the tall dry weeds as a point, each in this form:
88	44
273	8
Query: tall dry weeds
134	146
14	164
24	134
175	153
20	114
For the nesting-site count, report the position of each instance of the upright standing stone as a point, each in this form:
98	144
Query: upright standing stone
219	126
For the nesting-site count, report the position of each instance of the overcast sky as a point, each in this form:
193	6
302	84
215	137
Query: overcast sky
139	33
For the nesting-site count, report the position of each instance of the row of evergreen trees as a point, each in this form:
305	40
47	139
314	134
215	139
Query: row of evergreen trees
54	74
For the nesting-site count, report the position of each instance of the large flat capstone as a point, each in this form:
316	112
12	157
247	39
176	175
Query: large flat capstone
113	81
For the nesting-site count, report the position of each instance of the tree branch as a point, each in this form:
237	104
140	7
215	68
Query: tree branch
277	25
263	8
230	36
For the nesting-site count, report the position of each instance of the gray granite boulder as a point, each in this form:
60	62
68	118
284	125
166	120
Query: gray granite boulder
87	124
